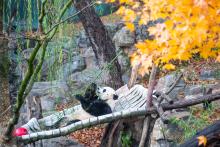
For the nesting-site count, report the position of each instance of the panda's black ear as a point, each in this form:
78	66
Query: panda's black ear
115	97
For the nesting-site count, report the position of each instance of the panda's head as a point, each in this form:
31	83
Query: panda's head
106	93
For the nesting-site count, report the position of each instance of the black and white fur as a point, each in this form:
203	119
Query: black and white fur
95	102
108	95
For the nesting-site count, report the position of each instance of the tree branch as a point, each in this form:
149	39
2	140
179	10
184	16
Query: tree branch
115	116
20	98
174	84
148	119
37	69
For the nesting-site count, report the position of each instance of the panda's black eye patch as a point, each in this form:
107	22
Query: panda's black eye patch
115	97
104	90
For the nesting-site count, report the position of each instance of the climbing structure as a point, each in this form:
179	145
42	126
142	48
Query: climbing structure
128	100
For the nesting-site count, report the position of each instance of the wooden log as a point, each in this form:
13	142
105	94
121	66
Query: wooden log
160	111
163	96
212	133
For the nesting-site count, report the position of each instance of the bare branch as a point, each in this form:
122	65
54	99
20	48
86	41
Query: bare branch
174	84
148	120
3	113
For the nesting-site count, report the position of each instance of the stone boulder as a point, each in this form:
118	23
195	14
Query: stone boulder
50	94
164	84
124	38
167	135
79	80
82	41
77	64
89	56
91	62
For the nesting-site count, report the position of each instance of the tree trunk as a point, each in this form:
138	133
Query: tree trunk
4	79
102	44
4	65
1	16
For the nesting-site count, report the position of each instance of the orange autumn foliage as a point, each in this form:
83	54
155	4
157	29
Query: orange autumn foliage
202	140
190	27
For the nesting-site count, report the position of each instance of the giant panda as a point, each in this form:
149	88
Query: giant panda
96	101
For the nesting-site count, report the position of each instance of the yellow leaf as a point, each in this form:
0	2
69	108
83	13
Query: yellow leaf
169	66
141	22
184	55
129	16
130	26
121	10
141	45
136	5
110	1
202	140
218	58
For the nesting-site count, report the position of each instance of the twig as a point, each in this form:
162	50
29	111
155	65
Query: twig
165	96
3	113
35	37
174	84
104	68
